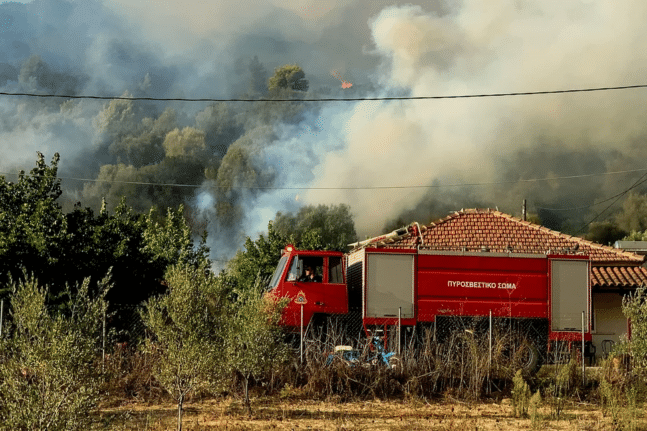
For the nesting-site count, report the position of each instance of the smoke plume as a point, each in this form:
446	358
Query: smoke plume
475	49
392	162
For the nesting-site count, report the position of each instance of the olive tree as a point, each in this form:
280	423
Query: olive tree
254	340
49	370
186	326
634	306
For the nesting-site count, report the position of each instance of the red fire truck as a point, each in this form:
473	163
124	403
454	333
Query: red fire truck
546	296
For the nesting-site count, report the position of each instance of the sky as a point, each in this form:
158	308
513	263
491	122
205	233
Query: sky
414	152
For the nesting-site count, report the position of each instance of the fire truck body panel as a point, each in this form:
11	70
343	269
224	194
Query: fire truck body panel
475	285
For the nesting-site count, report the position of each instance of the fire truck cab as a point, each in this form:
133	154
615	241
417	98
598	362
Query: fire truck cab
327	294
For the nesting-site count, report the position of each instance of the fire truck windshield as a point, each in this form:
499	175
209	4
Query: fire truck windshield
277	274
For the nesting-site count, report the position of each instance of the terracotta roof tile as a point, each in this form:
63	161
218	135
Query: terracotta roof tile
474	229
611	276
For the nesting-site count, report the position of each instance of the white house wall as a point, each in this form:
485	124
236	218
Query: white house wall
609	322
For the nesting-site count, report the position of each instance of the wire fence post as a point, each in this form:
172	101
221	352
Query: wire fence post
490	342
399	329
489	352
583	354
301	343
1	310
103	343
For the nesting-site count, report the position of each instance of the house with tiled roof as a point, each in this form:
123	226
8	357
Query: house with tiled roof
614	272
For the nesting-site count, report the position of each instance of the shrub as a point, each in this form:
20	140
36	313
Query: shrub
566	383
634	306
535	417
49	375
520	395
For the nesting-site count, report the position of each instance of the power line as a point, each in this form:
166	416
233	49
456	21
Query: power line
585	206
328	99
640	180
433	186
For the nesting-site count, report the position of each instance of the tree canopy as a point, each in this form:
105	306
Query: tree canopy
289	76
322	227
187	328
64	248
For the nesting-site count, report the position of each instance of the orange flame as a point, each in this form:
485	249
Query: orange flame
344	84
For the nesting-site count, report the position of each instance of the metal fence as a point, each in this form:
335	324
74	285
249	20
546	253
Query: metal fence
121	324
124	324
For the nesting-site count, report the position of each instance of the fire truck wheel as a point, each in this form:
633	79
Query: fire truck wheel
528	359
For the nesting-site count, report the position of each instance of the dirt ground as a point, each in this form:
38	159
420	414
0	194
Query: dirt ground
276	414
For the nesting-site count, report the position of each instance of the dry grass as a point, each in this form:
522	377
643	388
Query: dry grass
459	365
437	386
276	414
129	376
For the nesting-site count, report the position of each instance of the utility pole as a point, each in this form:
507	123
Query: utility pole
523	211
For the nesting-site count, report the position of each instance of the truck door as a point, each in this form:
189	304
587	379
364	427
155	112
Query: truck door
336	293
389	287
313	287
569	294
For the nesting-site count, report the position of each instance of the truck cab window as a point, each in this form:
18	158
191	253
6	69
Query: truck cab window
277	273
295	270
307	269
334	270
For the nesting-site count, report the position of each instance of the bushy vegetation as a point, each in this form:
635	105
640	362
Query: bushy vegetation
205	339
49	362
213	334
61	248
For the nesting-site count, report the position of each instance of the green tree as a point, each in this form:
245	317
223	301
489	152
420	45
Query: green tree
170	241
32	224
634	307
119	117
321	227
35	74
636	236
113	240
220	126
49	379
188	142
139	247
61	248
254	340
240	167
257	261
289	76
143	145
187	326
633	216
606	232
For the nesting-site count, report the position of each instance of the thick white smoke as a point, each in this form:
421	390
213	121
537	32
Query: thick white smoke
485	48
